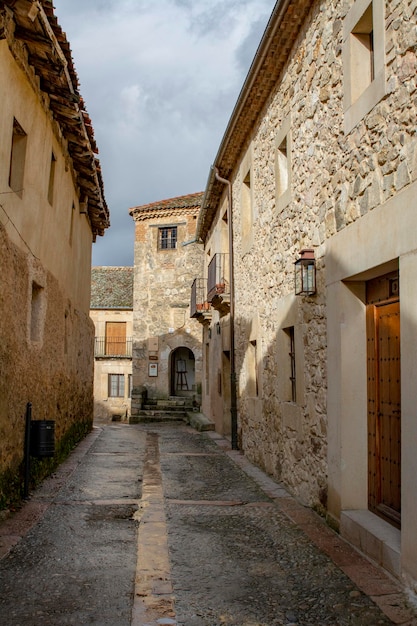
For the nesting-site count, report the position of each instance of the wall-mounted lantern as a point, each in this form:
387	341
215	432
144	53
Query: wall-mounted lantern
305	273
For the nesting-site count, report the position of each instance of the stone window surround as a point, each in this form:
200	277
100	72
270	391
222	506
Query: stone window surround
347	380
247	213
17	158
253	360
158	228
120	392
287	316
282	200
167	238
356	111
51	182
37	304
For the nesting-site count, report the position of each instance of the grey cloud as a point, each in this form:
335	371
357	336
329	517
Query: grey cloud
159	100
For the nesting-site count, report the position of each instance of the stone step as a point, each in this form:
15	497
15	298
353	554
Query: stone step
157	416
162	406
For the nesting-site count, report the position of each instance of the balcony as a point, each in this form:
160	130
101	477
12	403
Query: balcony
218	285
199	307
112	348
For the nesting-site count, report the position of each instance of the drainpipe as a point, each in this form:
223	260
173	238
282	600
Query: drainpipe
233	393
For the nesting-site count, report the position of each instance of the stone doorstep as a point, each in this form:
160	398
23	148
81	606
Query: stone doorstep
377	539
164	406
161	412
156	416
199	421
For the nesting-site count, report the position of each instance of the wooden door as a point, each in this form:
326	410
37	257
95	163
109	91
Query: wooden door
115	338
384	402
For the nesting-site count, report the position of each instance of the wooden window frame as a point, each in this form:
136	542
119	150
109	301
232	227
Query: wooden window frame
167	237
116	384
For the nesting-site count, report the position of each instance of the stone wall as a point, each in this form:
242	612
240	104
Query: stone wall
162	287
53	370
337	177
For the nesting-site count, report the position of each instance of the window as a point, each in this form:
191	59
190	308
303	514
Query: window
207	363
252	370
72	224
363	59
283	165
129	384
116	385
167	238
291	394
115	339
248	210
51	183
246	200
37	311
17	158
282	168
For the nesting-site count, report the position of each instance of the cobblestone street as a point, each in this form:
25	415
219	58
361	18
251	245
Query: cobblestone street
160	524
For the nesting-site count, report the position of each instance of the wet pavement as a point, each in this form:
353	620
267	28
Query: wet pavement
161	524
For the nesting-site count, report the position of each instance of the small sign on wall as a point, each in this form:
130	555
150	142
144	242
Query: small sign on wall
153	344
153	369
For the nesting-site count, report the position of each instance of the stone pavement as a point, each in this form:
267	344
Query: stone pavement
156	524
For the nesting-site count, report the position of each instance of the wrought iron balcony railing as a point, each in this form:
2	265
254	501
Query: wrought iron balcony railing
113	347
198	303
218	276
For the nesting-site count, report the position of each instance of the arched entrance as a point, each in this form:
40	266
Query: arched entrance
182	372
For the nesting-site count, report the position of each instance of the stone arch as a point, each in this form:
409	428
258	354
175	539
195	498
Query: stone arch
182	372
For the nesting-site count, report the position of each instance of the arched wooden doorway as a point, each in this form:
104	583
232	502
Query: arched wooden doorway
182	370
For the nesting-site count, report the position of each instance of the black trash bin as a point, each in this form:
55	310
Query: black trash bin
42	438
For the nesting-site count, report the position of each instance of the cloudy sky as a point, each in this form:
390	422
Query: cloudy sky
160	79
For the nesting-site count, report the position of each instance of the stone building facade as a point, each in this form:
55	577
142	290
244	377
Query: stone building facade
112	313
52	207
166	342
321	154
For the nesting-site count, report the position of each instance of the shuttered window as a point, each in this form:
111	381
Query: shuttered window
116	338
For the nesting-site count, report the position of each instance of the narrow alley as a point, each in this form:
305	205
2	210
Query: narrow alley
161	524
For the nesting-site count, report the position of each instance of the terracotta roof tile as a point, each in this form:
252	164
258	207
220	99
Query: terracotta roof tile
191	201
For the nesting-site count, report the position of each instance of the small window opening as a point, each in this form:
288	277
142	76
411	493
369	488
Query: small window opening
252	359
36	312
116	384
246	197
362	54
72	224
51	183
282	167
167	238
17	158
292	371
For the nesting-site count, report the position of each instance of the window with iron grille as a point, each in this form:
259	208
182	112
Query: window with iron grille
116	385
167	238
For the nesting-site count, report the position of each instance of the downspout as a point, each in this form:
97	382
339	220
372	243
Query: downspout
233	393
